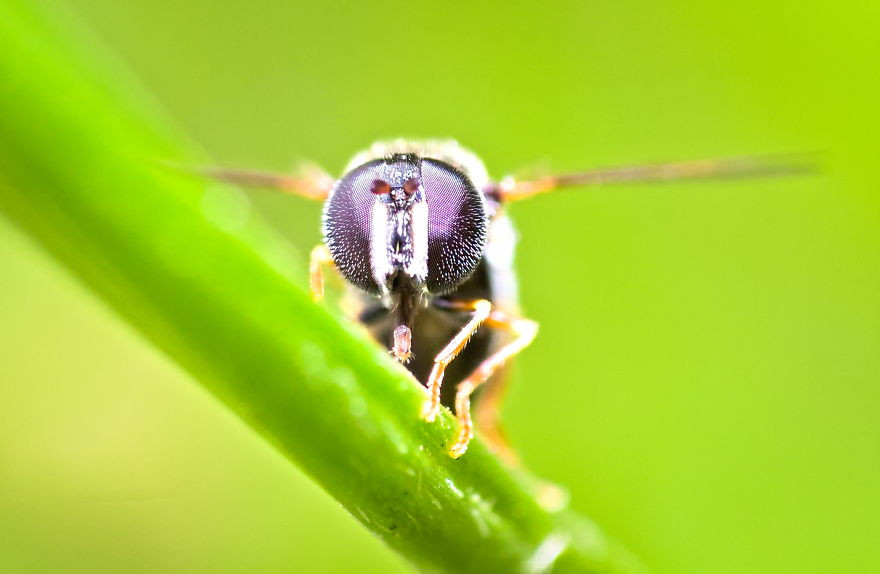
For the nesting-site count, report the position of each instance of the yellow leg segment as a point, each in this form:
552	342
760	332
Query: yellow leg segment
524	331
481	309
487	414
319	259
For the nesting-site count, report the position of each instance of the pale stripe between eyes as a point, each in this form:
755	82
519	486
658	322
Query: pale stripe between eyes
379	245
380	222
418	267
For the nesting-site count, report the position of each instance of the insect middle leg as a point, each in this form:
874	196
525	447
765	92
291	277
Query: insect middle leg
486	414
523	331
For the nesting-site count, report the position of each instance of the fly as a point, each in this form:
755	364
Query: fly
418	231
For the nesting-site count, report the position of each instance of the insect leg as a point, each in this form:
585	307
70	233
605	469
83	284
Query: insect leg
486	414
481	309
710	169
313	184
319	259
523	331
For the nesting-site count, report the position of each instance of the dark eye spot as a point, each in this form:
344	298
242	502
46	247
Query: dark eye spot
411	186
380	187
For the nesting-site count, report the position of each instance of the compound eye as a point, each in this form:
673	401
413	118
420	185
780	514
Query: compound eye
457	225
347	222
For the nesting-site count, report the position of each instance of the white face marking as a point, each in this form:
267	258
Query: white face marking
418	266
379	262
398	240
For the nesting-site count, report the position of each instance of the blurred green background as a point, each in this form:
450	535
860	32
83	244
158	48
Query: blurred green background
705	382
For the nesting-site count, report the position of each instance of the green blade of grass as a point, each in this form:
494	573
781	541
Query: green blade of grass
202	278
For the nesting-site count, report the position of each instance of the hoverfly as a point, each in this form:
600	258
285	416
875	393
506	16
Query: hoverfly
418	231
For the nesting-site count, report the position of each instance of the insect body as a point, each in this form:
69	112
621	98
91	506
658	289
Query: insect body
418	232
413	228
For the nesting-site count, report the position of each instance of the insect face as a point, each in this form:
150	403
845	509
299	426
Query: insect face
405	224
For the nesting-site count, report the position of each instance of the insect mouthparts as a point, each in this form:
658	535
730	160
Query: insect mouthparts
402	343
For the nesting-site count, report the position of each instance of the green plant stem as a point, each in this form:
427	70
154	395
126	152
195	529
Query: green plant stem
202	278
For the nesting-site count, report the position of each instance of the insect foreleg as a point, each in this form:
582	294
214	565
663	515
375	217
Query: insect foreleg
313	184
523	331
481	309
319	259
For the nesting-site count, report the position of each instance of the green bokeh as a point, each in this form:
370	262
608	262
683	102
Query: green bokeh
706	378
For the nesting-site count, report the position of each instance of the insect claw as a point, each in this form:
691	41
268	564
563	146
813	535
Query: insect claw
460	447
429	411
